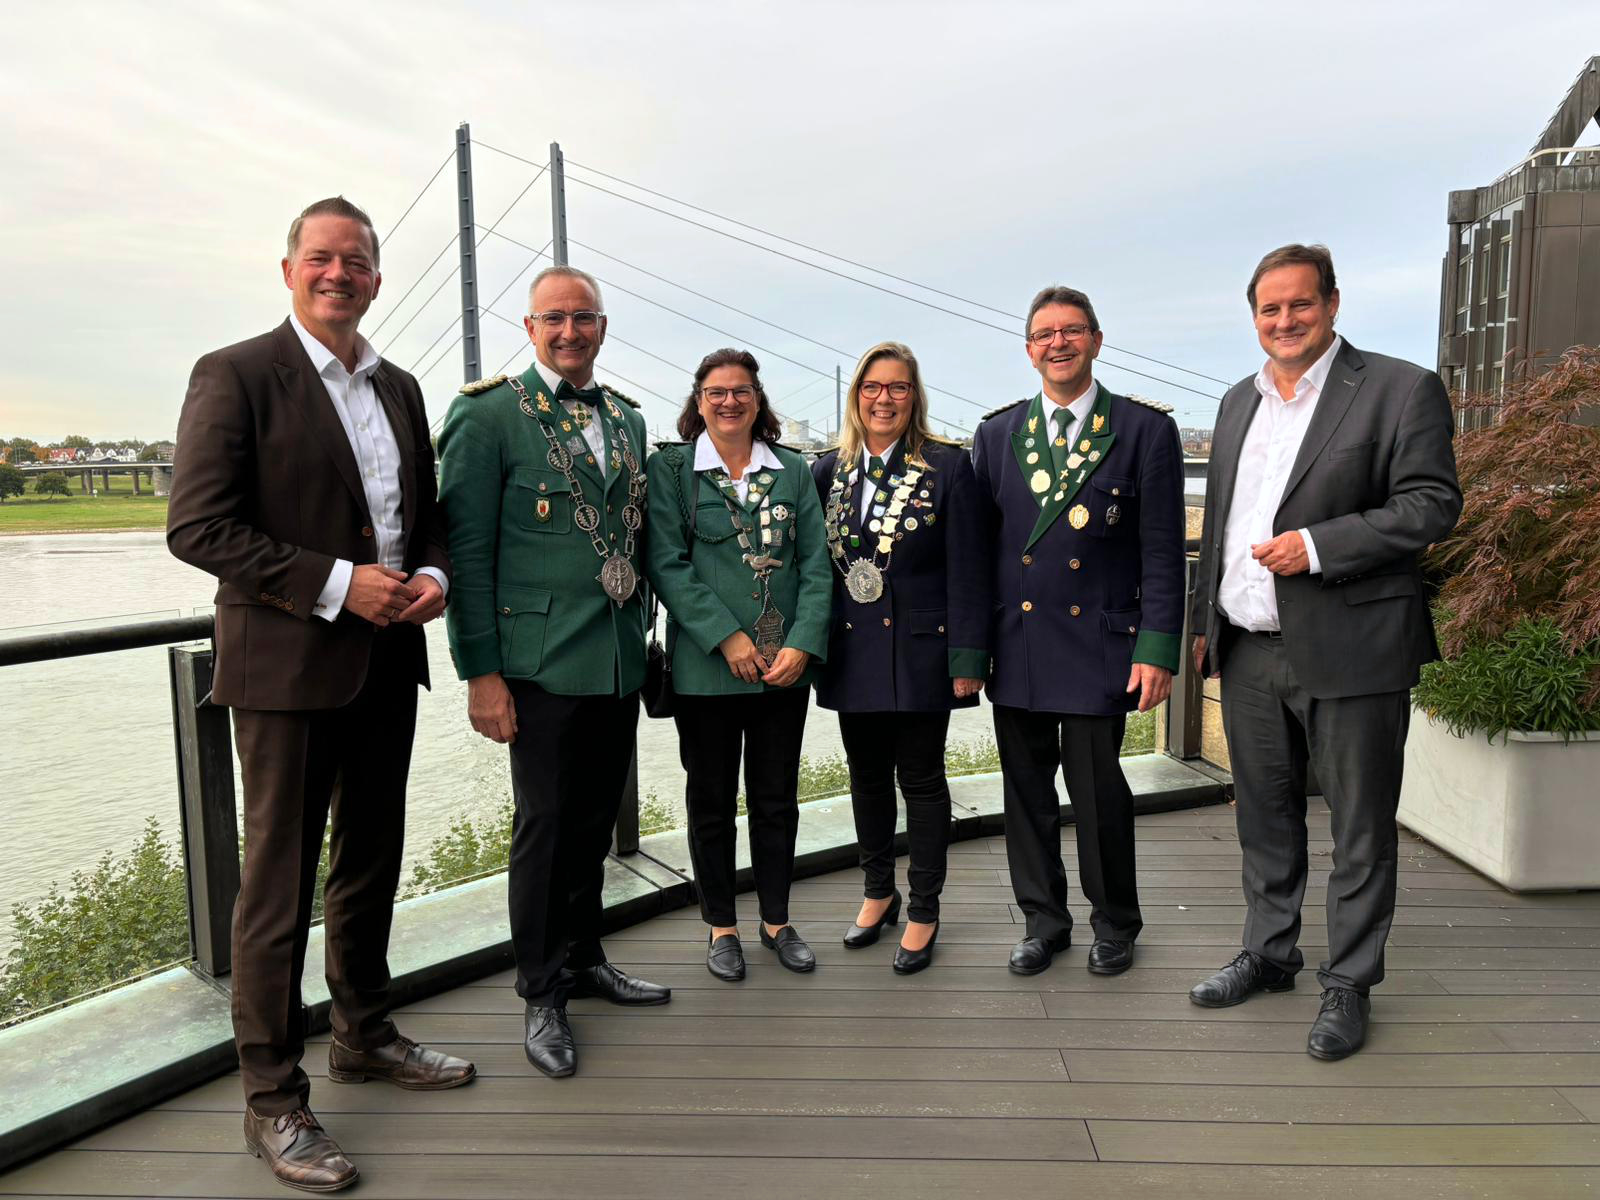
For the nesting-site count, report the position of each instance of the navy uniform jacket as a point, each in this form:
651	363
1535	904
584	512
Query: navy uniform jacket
899	653
1075	607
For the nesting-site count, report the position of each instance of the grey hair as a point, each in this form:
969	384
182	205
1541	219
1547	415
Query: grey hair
1061	295
568	273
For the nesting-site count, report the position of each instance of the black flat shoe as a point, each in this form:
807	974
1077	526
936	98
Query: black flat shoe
909	962
1034	954
865	935
608	983
547	1040
1239	980
1341	1027
792	950
725	958
1110	957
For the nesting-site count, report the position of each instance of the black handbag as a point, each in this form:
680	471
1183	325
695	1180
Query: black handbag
659	698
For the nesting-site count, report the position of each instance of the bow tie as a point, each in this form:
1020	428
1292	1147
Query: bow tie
588	395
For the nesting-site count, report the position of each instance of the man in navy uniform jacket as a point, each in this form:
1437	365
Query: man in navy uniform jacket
1084	498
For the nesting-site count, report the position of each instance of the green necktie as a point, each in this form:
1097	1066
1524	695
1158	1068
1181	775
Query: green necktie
875	473
1058	444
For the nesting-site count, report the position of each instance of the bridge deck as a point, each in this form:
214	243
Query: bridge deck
1482	1077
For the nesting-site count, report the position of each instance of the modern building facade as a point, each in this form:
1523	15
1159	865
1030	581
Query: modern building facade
1521	277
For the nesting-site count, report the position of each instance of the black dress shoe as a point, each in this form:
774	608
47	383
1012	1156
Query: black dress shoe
608	983
1033	954
1247	973
725	958
792	950
1110	957
1341	1027
547	1039
865	935
909	962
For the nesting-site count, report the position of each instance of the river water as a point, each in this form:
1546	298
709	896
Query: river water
86	751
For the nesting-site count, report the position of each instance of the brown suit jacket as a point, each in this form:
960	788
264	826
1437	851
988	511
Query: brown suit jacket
266	496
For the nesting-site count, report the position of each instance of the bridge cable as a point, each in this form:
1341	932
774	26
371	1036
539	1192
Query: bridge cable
385	239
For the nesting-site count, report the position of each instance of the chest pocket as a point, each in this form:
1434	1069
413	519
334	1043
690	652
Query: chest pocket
540	501
1113	503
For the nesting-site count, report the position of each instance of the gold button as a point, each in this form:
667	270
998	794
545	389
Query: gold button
1075	610
613	537
941	629
544	487
366	531
1073	563
1027	560
1027	606
590	457
886	622
1133	629
1116	491
505	612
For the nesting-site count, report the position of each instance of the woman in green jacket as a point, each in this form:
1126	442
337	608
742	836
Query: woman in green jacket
738	555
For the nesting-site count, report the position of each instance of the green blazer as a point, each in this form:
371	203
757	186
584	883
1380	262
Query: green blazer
711	593
525	599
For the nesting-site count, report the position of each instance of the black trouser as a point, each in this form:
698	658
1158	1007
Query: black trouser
569	766
1358	745
712	730
911	744
1086	748
296	765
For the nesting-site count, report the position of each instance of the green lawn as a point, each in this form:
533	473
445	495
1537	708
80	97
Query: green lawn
77	513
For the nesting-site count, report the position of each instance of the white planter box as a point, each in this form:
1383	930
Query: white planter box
1523	809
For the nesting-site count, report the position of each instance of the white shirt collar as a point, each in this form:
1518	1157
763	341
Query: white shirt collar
367	359
1313	380
1079	407
867	454
552	381
706	456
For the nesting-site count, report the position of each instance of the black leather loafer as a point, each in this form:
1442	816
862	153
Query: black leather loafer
1341	1027
725	958
1110	957
909	962
792	950
547	1040
864	935
1236	982
1034	954
608	983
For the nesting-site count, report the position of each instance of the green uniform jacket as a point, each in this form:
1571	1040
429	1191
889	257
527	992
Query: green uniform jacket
711	593
525	599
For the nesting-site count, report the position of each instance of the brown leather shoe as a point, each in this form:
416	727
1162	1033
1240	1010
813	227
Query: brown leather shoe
402	1062
299	1150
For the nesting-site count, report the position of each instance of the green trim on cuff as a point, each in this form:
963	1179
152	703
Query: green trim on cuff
969	664
475	654
1158	650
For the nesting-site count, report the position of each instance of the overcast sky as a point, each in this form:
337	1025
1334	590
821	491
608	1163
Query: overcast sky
1146	153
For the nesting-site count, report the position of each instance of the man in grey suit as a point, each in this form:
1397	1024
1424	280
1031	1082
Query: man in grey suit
1331	470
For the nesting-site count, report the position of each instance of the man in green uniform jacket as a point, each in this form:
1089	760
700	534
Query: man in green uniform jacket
542	479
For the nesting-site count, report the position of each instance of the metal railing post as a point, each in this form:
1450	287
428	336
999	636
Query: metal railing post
1185	706
206	803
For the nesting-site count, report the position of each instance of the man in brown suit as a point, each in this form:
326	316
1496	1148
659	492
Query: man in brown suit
304	481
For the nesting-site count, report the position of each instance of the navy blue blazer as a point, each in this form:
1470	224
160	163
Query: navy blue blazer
1088	577
931	625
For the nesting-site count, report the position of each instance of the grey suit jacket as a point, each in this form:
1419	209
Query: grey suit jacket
1374	484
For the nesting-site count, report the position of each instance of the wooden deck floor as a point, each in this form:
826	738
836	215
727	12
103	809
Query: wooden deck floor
1482	1076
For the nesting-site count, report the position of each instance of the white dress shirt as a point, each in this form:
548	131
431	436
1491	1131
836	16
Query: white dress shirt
1246	593
707	457
377	456
1079	408
867	456
592	432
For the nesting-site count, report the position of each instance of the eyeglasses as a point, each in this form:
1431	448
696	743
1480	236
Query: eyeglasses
743	394
871	389
586	320
1072	333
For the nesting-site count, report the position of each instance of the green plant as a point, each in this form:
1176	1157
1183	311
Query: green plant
1527	679
1520	602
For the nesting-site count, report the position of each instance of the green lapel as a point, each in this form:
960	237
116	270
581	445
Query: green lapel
1056	500
612	423
1031	444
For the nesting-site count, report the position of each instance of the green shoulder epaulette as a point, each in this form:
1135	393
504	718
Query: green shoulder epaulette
1149	403
1003	408
944	441
482	385
826	450
611	391
666	442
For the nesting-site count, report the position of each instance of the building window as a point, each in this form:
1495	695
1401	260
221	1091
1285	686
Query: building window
1503	284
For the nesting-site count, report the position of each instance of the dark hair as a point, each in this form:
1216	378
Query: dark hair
333	206
1061	295
1292	255
691	424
